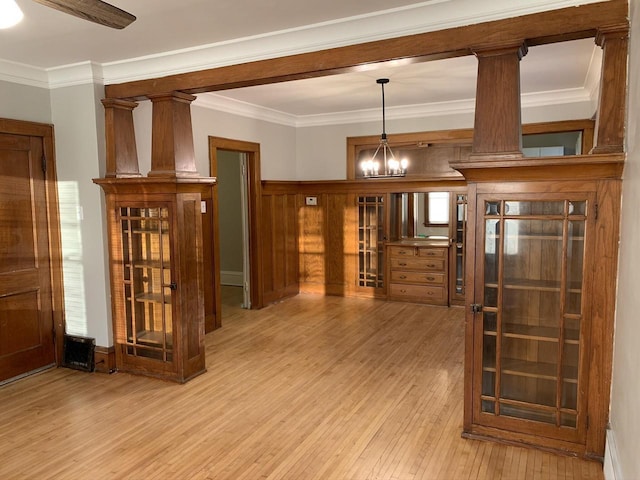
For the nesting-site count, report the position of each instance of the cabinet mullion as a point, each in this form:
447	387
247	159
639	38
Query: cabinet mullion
563	294
500	310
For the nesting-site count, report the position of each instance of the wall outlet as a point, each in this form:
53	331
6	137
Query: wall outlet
311	200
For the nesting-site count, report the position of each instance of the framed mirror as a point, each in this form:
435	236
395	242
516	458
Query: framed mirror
420	215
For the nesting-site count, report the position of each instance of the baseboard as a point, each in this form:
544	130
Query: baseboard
105	359
231	278
611	464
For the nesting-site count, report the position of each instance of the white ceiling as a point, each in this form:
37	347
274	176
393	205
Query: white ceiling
207	34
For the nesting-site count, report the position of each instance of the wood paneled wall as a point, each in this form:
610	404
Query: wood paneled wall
309	248
328	250
279	245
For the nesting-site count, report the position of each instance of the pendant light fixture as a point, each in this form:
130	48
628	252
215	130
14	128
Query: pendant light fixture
383	163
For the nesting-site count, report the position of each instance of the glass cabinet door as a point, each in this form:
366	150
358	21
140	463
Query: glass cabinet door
371	241
532	310
459	249
147	282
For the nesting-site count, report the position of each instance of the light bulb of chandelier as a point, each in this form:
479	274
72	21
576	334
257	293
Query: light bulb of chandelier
404	163
10	13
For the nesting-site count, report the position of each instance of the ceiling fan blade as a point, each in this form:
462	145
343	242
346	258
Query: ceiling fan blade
93	10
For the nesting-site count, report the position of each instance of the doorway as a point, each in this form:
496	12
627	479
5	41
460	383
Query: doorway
233	225
236	216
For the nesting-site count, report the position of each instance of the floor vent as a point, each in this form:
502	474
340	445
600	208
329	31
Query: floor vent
79	353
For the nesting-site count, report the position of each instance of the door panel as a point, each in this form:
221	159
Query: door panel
26	319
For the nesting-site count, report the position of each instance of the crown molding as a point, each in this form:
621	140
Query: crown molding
77	74
23	74
218	102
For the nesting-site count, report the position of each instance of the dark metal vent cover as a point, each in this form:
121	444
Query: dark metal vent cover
79	353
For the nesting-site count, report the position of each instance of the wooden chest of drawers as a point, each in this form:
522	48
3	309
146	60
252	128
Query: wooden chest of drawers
418	273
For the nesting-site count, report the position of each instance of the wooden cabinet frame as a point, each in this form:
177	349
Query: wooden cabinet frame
555	180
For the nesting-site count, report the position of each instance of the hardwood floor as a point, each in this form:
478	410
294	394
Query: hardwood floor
310	388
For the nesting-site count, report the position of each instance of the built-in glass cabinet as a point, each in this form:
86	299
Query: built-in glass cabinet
371	237
532	318
155	245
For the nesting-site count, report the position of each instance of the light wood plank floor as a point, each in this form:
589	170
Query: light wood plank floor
311	388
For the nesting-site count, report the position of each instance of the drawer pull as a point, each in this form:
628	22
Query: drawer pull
431	265
402	252
403	291
429	293
431	254
403	277
431	279
402	264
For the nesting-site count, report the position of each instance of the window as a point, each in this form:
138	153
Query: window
437	209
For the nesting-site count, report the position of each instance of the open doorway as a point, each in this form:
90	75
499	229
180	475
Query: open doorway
236	204
233	227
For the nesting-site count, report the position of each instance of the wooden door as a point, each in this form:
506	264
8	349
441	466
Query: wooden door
26	314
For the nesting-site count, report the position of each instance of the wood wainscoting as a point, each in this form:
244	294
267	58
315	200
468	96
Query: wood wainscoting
279	245
308	248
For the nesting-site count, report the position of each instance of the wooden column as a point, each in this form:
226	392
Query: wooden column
610	118
172	151
497	127
122	155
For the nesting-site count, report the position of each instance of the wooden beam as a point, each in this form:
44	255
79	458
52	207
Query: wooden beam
536	29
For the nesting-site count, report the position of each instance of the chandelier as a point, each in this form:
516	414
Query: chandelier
385	165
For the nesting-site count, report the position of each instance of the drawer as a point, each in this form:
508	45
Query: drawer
432	252
417	263
402	251
417	277
424	293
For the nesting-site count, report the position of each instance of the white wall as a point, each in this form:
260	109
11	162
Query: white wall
78	117
623	443
24	102
277	142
